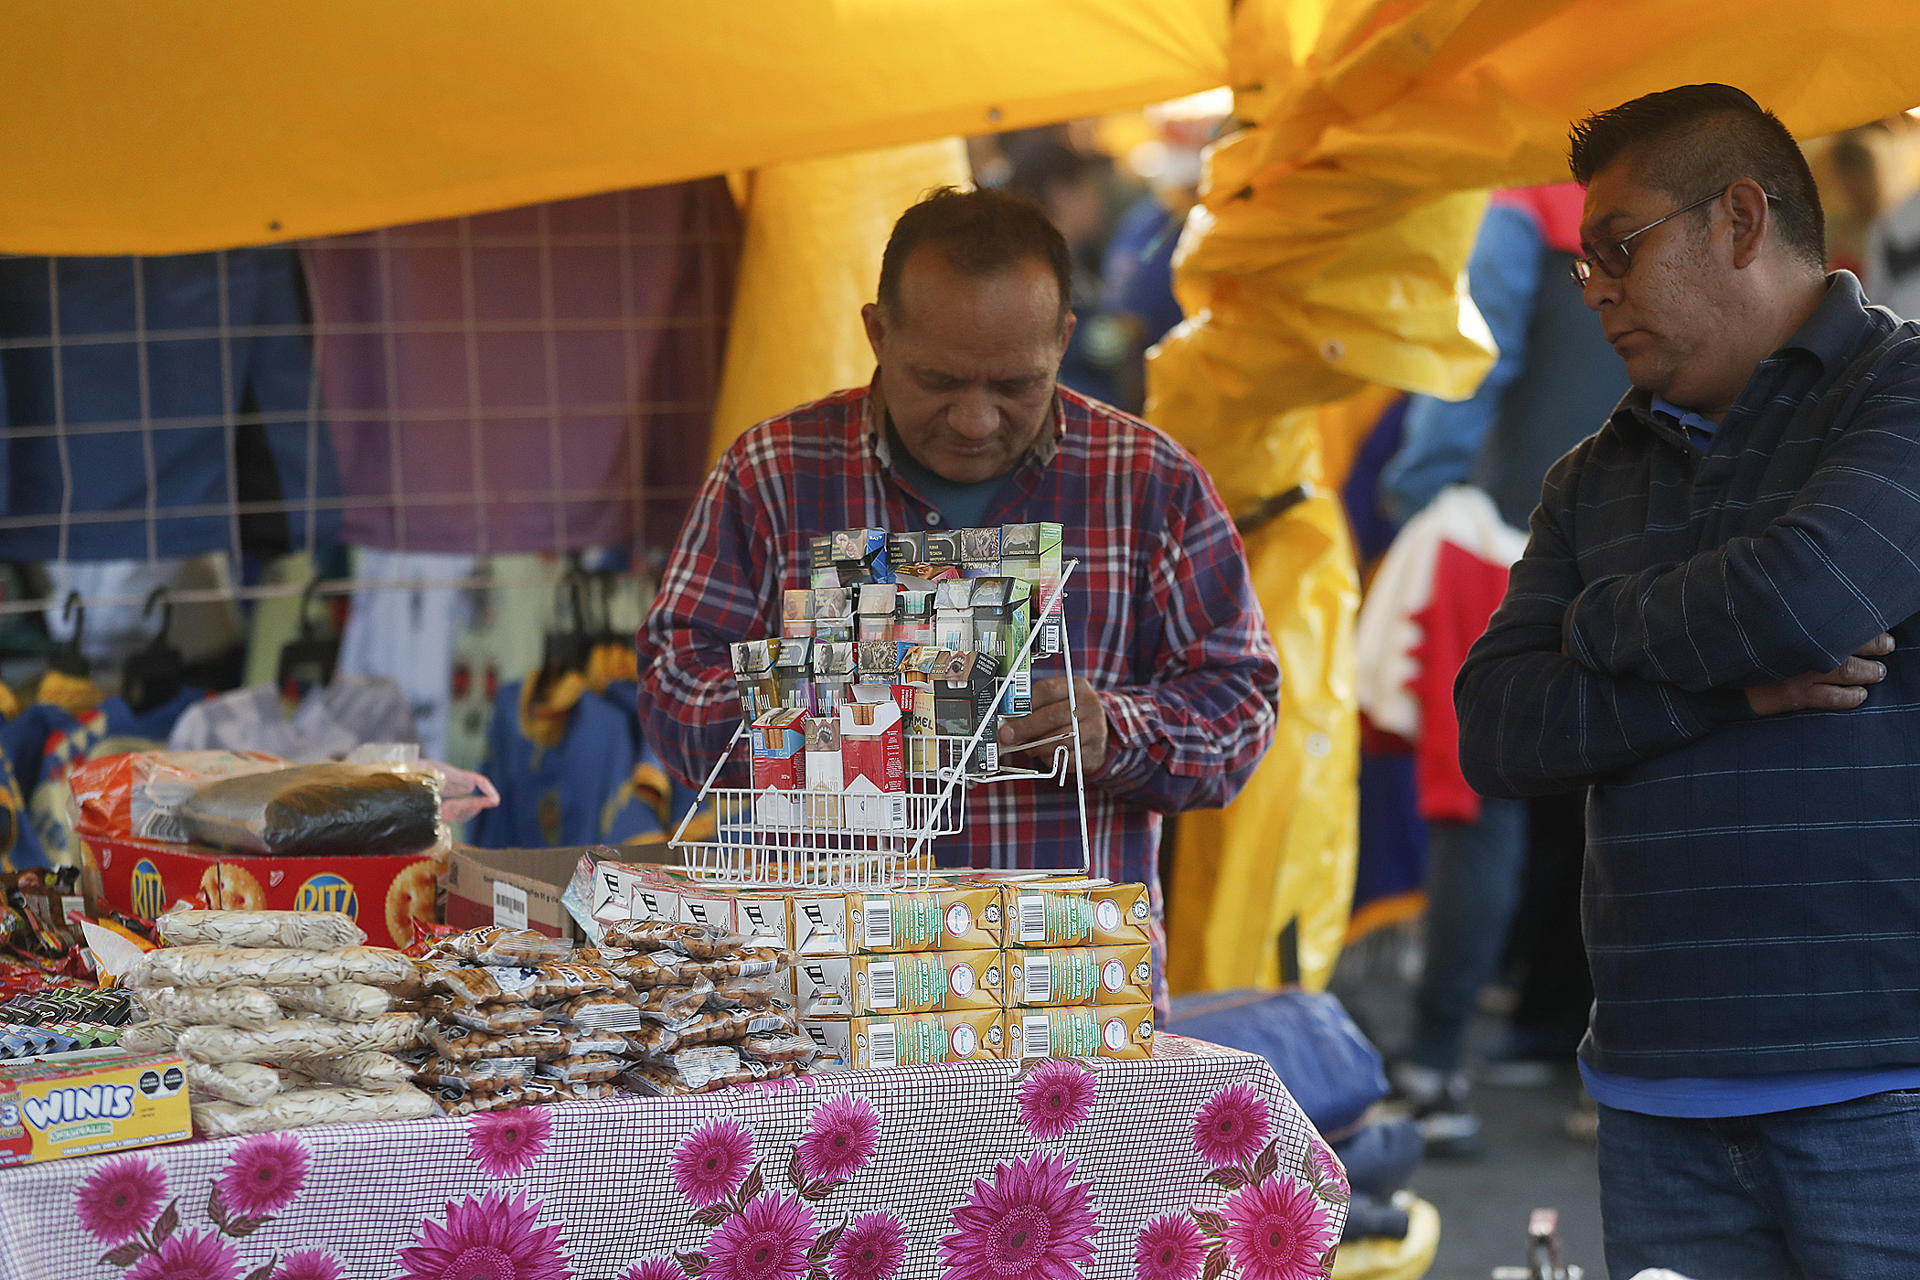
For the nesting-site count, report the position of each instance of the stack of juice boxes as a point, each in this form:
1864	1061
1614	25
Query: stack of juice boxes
902	639
974	964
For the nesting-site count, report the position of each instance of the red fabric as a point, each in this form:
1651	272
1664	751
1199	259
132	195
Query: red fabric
1555	207
1466	591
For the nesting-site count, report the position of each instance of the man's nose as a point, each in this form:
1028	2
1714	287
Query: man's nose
973	415
1600	288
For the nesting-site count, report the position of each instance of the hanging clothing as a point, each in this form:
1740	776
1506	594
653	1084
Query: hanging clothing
495	362
213	347
329	722
564	766
407	634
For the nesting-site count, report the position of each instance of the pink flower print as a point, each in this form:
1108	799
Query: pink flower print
1277	1231
712	1161
264	1176
654	1269
1032	1222
1055	1097
1328	1174
873	1247
496	1237
843	1136
313	1264
121	1198
506	1143
189	1256
1232	1126
767	1241
1169	1248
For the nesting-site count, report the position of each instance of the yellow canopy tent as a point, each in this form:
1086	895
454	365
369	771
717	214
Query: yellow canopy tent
1325	257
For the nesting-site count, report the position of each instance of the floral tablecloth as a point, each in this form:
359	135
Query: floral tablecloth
1193	1164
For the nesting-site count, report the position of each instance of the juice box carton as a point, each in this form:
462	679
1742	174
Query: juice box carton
956	918
915	982
99	1100
1074	912
1081	1031
1054	976
910	1040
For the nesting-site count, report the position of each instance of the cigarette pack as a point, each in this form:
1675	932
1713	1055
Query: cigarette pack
913	982
904	549
793	675
874	765
1002	612
907	1041
825	774
874	616
753	673
860	555
779	741
1079	975
964	693
833	671
943	551
1032	552
980	552
833	615
821	572
796	612
953	615
1081	1031
913	616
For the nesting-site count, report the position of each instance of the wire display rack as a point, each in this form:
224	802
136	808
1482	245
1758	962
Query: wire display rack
811	839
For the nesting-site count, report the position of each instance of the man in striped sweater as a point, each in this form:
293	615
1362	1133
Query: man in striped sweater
1713	631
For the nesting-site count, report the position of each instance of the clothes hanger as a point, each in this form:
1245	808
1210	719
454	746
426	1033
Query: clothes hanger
307	661
70	661
155	674
564	652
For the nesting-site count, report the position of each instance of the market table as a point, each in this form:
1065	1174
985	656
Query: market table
1196	1159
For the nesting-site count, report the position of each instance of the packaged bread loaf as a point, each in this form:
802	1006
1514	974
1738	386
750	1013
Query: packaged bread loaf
201	966
246	1007
296	1038
306	930
297	1108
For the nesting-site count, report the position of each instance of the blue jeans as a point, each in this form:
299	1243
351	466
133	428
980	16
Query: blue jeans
1473	885
1818	1193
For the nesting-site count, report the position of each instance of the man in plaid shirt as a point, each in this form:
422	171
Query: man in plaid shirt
964	425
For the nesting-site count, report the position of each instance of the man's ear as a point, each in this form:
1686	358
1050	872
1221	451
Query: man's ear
1066	331
1750	216
876	324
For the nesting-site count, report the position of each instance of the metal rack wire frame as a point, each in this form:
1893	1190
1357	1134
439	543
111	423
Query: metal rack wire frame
467	325
812	851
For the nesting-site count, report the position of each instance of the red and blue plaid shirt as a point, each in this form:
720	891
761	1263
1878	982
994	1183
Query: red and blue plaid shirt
1161	614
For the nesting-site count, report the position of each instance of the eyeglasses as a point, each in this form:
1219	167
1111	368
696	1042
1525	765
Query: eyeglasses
1612	257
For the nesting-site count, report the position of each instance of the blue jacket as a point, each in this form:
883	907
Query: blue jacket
1750	902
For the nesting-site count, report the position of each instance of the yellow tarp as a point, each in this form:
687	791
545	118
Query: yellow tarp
134	127
1326	256
815	231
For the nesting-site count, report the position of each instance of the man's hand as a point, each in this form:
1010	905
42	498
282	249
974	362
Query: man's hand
1841	689
1050	718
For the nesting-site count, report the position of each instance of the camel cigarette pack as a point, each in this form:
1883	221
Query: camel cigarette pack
99	1100
911	1040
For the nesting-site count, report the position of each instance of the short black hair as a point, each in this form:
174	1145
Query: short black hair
1691	141
978	232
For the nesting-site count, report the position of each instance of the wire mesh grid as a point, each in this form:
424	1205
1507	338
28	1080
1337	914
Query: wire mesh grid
531	380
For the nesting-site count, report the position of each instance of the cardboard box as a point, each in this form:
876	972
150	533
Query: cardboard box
912	1040
612	885
915	982
518	888
1057	976
1075	912
81	1103
957	918
1084	1031
384	895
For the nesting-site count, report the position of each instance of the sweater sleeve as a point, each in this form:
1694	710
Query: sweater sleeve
1837	567
1533	721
